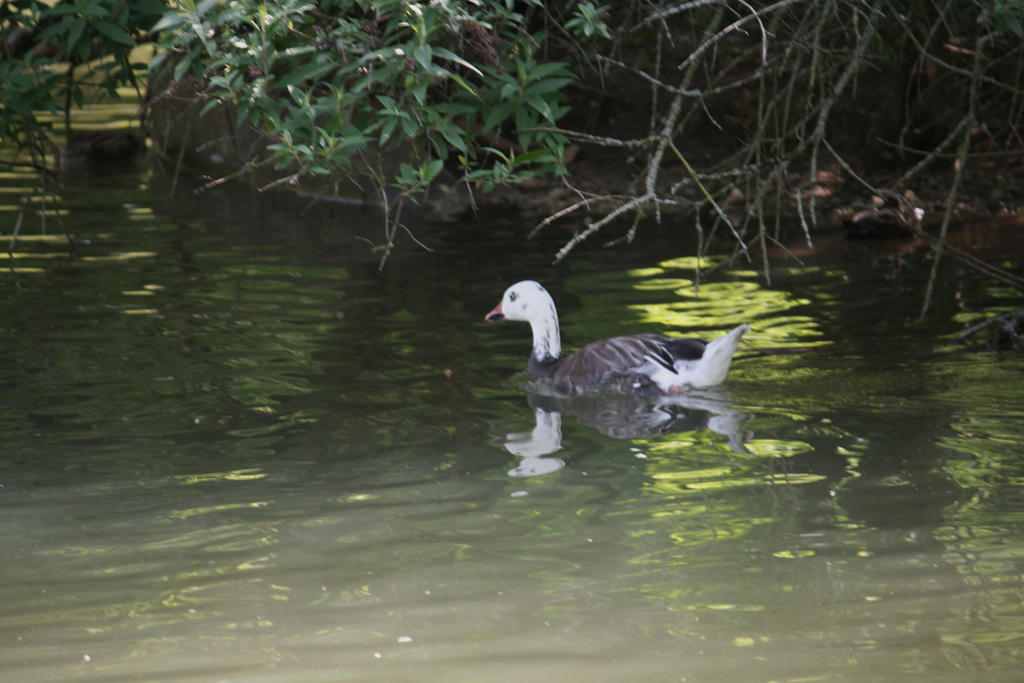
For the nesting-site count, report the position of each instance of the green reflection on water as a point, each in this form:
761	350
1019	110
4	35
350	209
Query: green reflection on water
715	307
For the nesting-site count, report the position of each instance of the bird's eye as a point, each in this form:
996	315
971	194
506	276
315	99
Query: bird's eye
512	296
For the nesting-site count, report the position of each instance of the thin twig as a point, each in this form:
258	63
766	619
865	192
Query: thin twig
764	34
803	219
961	164
711	200
414	238
664	14
634	203
732	27
583	203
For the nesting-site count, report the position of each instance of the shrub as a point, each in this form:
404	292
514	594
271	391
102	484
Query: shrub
339	86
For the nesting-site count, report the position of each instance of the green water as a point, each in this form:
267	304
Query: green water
231	450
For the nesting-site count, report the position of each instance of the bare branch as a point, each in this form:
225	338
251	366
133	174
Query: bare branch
732	27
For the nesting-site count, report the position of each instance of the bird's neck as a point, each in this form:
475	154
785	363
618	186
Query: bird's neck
547	342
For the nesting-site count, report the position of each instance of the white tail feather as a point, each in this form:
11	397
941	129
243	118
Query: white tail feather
712	366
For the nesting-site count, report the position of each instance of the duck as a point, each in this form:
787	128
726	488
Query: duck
890	216
646	364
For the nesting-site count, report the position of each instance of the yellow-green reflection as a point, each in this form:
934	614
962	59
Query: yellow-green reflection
120	256
19	255
776	448
685	309
63	239
22	270
211	509
230	475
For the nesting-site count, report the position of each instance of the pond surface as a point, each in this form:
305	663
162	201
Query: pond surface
234	451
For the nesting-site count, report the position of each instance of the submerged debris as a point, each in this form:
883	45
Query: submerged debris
1003	333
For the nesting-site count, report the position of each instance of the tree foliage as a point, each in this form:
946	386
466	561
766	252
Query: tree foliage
343	86
52	53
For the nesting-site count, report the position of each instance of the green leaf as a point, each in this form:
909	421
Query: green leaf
452	109
387	129
509	91
407	173
301	50
409	126
205	6
55	30
497	114
385	54
546	86
171	20
541	105
536	156
453	135
548	69
73	36
299	96
498	153
523	122
210	104
430	170
93	8
463	84
305	73
61	10
115	33
419	91
422	54
451	56
181	67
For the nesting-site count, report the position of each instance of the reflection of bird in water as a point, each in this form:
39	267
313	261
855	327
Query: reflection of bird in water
621	417
648	364
545	438
624	416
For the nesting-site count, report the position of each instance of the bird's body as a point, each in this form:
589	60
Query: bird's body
640	363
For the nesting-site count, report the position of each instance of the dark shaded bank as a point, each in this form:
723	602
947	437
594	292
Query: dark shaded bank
756	126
